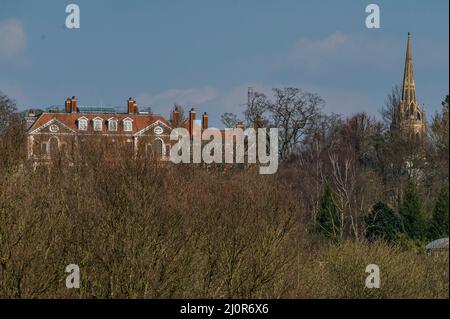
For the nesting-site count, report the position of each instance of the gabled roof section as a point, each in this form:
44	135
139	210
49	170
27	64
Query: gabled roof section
157	122
35	129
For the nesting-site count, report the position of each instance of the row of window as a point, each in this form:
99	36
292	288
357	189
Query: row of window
98	124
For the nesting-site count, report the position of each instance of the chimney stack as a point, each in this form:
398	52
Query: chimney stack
136	110
68	105
191	121
73	105
132	106
205	121
176	116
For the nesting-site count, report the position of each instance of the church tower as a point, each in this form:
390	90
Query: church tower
409	118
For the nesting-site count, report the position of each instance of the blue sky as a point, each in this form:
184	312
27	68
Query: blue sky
205	53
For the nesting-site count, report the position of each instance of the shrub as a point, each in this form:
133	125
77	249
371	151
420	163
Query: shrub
383	223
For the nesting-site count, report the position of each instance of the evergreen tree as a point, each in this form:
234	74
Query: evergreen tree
411	213
383	222
329	220
439	222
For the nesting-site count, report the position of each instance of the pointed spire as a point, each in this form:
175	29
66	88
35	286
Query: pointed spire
409	92
409	116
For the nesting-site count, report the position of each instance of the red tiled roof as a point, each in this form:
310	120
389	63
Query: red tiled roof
71	120
140	122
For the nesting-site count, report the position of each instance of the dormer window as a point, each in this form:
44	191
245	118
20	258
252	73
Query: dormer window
112	124
98	124
127	125
83	124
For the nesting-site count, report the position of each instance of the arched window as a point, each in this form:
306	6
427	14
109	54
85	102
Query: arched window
53	147
158	148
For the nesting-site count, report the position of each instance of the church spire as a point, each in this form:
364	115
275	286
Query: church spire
408	117
409	91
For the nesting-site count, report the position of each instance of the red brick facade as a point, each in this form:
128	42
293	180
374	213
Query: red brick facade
140	134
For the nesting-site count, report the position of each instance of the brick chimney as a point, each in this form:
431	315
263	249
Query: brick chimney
205	121
176	116
73	105
68	105
132	105
136	109
191	121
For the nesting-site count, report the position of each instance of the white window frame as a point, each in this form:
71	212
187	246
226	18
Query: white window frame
112	121
80	125
129	122
98	121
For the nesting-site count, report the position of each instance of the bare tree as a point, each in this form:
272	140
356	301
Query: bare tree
389	109
7	112
229	119
295	113
256	108
12	134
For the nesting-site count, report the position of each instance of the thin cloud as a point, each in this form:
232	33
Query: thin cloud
341	54
163	101
13	40
314	52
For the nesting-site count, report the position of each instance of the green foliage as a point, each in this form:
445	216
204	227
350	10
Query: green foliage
411	213
439	223
383	223
329	222
408	244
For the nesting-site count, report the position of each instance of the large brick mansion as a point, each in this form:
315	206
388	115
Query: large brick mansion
138	132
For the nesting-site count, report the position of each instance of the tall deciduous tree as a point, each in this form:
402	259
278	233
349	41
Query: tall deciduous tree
7	112
293	111
439	136
12	133
257	106
229	119
390	107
